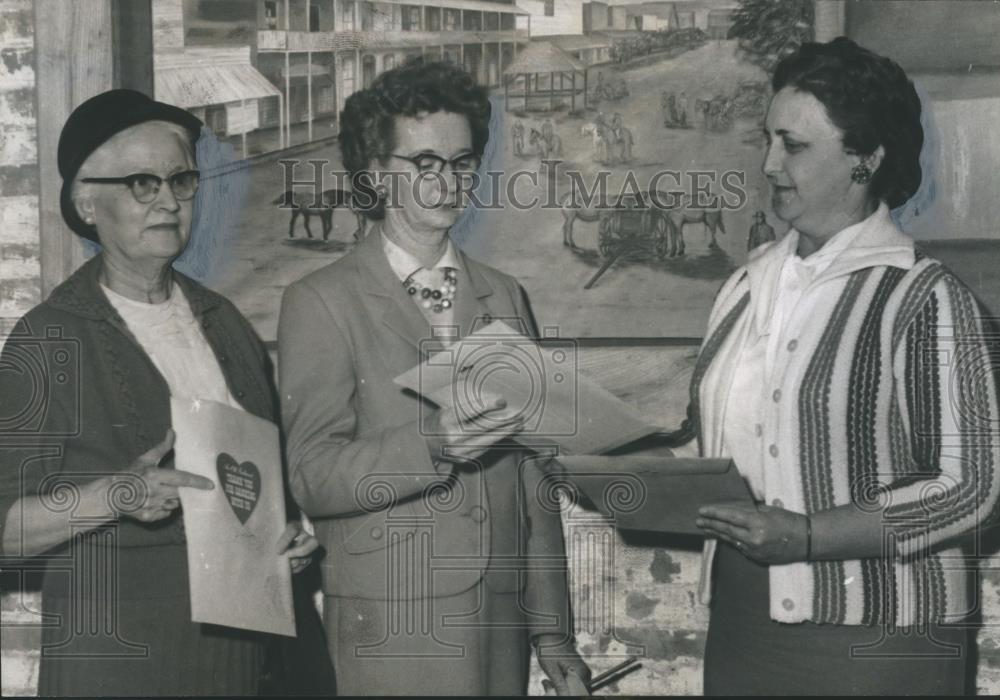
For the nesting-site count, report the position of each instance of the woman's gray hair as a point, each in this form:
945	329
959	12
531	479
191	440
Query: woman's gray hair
81	190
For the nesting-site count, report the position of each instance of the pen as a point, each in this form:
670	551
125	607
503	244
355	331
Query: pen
612	674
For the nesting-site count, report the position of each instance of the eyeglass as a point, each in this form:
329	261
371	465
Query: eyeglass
426	162
146	186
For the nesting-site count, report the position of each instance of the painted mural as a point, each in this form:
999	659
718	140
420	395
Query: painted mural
625	154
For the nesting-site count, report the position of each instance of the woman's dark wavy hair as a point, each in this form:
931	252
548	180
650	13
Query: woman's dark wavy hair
367	124
871	100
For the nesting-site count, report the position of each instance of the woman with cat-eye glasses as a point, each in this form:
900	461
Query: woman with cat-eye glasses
88	488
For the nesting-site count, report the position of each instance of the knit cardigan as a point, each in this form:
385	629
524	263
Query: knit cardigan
887	399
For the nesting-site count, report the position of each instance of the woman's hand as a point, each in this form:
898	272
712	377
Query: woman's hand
161	497
763	533
560	661
298	545
455	435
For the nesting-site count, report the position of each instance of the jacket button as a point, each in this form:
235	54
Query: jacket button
773	449
477	513
776	395
376	533
240	394
778	503
223	359
758	430
792	344
788	604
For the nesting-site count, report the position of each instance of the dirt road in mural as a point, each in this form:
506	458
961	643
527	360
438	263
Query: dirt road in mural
635	297
643	296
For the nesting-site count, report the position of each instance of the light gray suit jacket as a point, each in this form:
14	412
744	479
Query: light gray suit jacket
360	468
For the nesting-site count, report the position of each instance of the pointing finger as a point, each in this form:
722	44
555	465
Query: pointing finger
178	477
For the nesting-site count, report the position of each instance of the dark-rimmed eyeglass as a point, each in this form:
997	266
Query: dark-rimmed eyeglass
146	186
431	162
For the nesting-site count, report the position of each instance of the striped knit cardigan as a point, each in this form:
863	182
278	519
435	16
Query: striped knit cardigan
889	401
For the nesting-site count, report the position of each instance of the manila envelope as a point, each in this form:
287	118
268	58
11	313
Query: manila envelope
237	578
656	494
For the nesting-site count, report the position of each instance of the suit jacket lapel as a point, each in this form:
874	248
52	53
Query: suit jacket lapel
472	308
391	304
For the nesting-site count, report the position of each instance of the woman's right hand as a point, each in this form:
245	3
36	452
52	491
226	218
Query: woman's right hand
458	435
161	497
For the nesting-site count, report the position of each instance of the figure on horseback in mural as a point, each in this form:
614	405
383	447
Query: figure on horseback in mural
547	141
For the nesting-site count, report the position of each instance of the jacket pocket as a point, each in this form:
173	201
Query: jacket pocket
374	531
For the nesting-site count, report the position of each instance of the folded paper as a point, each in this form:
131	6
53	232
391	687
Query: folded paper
237	578
539	382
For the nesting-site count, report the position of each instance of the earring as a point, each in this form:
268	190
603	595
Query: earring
861	174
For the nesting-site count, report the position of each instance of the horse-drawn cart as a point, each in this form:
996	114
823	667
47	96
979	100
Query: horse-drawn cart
634	226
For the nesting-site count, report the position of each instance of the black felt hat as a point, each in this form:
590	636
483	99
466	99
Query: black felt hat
97	120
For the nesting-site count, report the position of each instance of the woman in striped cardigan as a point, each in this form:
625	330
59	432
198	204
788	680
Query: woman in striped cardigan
850	379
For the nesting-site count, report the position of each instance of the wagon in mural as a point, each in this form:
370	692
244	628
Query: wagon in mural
636	225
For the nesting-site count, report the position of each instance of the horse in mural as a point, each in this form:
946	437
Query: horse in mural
547	147
301	203
572	209
610	145
677	216
712	219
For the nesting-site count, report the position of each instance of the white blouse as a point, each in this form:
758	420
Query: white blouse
172	338
774	296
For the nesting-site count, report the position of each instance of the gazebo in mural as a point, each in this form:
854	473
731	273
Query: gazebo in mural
543	71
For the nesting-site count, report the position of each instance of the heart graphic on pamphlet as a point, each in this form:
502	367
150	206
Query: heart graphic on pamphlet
241	484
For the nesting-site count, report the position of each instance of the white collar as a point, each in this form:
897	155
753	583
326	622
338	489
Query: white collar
876	241
405	264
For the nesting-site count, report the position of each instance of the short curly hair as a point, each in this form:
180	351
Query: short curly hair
367	124
870	98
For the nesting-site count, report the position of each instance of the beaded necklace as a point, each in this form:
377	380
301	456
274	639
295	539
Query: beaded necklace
435	299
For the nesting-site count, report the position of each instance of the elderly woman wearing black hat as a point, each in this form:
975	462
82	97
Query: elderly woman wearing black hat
86	387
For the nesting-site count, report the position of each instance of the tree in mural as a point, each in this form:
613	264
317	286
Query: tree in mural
769	30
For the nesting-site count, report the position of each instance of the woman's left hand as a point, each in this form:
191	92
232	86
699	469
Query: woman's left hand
763	533
298	545
559	660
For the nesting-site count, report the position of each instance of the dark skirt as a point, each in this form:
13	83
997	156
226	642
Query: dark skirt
132	634
747	653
